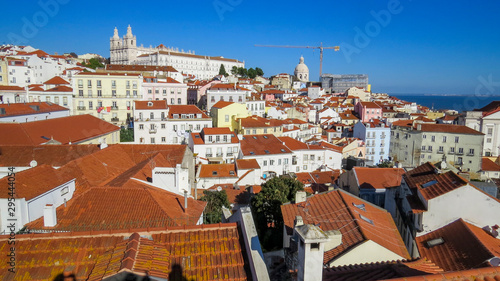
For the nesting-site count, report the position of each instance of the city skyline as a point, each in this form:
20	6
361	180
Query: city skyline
404	46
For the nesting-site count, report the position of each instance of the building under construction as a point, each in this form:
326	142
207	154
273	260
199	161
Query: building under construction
339	83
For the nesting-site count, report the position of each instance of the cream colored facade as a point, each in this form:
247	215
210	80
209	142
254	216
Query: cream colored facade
4	79
106	96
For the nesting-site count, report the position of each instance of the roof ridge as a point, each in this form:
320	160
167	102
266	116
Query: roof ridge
475	237
130	254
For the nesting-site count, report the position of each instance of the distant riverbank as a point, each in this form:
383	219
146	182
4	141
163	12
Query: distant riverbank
458	103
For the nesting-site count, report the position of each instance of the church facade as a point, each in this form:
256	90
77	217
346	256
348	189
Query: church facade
125	51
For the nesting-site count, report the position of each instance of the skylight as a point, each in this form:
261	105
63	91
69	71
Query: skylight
434	242
254	137
196	136
359	206
366	219
427	184
266	151
252	153
283	150
214	173
265	137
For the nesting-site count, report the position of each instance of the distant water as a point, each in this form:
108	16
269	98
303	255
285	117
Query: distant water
456	102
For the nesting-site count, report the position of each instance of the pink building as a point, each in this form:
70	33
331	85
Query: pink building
167	89
198	89
368	110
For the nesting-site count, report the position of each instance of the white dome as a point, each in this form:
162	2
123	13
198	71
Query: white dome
302	71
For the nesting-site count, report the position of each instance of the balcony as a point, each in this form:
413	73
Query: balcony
152	131
451	152
460	153
229	154
81	108
115	119
209	154
219	154
440	152
470	154
114	108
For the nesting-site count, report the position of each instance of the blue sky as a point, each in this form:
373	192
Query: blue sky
415	46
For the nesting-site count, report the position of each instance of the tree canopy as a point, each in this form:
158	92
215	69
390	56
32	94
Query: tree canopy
222	70
93	63
266	206
215	200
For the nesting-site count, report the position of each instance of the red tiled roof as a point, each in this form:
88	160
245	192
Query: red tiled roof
345	217
262	145
134	205
71	129
479	274
59	89
145	105
185	109
206	252
319	181
34	182
488	165
247	164
465	246
217	131
217	171
378	178
16	109
379	271
56	80
448	128
11	88
222	104
222	86
369	104
52	155
235	196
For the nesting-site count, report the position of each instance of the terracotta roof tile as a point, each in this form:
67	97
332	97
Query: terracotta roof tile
71	129
11	88
185	109
465	246
488	165
146	105
56	80
222	86
60	89
16	109
217	171
246	164
383	270
134	205
344	216
448	128
262	145
222	104
135	68
480	274
378	178
52	155
207	252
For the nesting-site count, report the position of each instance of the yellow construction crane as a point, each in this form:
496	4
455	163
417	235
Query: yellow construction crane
321	48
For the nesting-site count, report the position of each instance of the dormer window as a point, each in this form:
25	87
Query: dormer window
150	103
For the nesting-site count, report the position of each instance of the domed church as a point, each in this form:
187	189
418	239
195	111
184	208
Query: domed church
302	71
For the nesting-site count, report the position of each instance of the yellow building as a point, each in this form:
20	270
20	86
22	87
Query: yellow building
4	79
225	113
255	125
109	96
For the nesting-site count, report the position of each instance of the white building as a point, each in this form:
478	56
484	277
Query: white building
126	51
12	94
158	123
309	157
56	90
226	92
377	137
30	203
28	112
214	145
19	73
271	154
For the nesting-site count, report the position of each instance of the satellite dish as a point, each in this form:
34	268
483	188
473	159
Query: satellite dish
495	261
219	188
33	163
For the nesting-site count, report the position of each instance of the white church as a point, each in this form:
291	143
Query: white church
125	51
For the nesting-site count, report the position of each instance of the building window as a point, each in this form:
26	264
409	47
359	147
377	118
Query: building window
444	138
488	140
152	140
265	162
429	148
141	126
457	139
113	83
271	162
172	101
440	149
89	83
175	140
99	93
433	138
91	106
163	125
226	118
471	152
98	83
113	93
80	83
90	93
163	139
179	101
80	93
65	101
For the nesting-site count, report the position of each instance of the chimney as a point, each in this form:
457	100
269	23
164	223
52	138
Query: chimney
300	197
298	221
185	201
312	241
49	216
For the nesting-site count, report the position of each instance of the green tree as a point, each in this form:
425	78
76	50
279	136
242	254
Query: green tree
252	73
215	200
259	71
234	70
222	70
93	63
242	71
126	135
266	206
